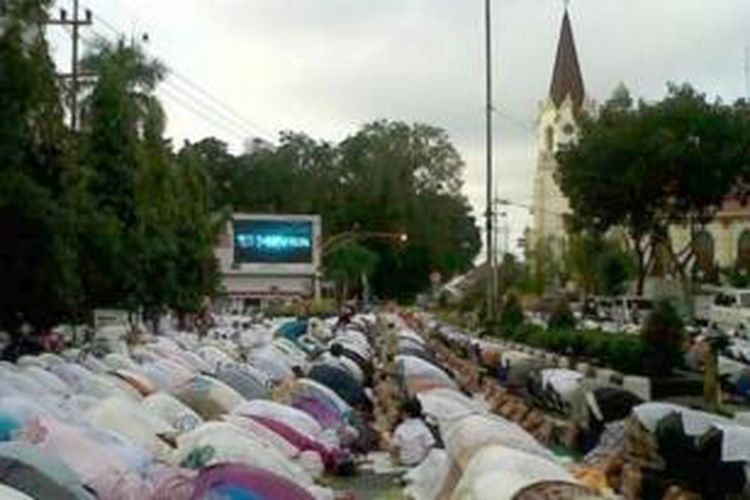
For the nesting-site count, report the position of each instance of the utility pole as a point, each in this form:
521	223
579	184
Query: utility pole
747	71
491	288
75	75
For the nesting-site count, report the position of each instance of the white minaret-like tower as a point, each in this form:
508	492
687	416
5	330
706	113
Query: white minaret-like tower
557	125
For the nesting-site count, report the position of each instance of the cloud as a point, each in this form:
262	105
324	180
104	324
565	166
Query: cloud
328	66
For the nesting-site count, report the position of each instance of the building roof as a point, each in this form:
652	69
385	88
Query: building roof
567	79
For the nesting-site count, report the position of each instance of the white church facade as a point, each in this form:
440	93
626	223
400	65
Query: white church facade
722	244
557	126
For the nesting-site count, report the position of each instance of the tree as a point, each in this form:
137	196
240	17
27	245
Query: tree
647	167
548	268
154	216
510	274
662	336
348	265
389	177
511	315
118	114
582	254
598	264
401	178
219	170
615	269
197	227
561	317
39	282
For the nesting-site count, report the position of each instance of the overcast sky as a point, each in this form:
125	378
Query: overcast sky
325	67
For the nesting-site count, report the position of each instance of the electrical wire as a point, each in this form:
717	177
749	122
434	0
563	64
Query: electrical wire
206	100
187	105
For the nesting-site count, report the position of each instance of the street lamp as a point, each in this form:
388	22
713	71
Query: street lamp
338	240
341	239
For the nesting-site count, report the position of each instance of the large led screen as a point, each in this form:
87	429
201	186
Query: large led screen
273	242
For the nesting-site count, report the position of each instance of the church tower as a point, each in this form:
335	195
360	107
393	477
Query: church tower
557	126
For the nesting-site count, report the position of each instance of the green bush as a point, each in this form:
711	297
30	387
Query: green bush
561	316
594	343
559	340
511	317
662	336
623	353
620	352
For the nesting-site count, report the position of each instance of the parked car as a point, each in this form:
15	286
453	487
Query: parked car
730	310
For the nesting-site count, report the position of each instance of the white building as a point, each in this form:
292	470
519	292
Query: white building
722	244
725	242
557	125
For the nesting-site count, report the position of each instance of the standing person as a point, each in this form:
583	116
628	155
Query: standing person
503	371
412	440
345	317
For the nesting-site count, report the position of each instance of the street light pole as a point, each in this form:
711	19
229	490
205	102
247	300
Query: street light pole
491	289
338	240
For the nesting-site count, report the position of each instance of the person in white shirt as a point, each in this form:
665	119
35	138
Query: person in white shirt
412	440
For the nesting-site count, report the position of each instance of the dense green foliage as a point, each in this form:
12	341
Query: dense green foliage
644	167
104	217
561	317
598	265
112	216
511	314
663	338
37	181
618	351
348	265
388	177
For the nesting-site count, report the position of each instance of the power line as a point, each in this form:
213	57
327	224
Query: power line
198	107
216	117
215	102
180	86
218	102
186	104
517	122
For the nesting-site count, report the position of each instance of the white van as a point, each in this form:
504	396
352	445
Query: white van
730	310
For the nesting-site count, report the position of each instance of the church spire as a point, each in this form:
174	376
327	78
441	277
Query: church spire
567	79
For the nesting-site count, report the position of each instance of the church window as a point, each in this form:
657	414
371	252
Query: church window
550	138
703	247
569	129
743	250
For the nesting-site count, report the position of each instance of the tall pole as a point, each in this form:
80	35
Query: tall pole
75	75
74	72
490	191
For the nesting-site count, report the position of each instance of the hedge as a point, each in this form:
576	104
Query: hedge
620	352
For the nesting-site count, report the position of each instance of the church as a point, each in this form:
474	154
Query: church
557	126
723	245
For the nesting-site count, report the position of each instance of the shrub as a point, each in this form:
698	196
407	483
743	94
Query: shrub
662	337
624	353
511	317
523	333
594	343
560	340
561	316
618	351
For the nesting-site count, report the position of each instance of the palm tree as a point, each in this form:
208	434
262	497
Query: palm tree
120	116
123	68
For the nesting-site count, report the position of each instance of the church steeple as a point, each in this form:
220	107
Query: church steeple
567	79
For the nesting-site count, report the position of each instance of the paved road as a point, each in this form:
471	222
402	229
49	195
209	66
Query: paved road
375	480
